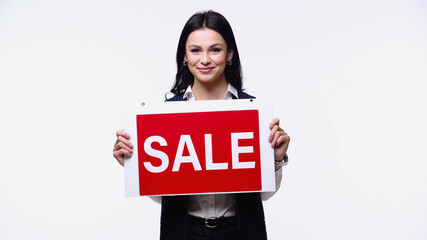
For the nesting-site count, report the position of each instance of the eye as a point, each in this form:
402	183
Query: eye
216	50
195	50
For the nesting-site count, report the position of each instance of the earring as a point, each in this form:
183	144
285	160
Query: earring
229	62
184	63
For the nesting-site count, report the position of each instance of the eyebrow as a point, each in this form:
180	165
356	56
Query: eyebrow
213	45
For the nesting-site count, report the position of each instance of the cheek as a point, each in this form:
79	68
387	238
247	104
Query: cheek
192	60
219	59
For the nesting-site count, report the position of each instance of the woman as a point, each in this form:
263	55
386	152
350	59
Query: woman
209	69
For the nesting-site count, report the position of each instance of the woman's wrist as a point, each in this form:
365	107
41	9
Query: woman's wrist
280	163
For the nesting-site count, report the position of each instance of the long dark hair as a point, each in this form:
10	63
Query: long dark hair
218	23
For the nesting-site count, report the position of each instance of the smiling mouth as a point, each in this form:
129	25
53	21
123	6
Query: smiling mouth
205	70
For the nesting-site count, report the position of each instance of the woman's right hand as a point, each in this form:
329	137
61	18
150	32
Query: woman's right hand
123	148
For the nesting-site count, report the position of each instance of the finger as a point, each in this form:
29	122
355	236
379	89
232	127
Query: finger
123	140
123	153
275	138
120	155
122	134
275	121
283	139
273	132
117	154
121	145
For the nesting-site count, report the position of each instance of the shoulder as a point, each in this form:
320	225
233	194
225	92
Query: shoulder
243	95
178	97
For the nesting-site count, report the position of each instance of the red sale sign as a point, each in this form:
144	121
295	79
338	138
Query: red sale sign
189	151
198	152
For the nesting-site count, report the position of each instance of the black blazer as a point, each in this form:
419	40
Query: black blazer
250	213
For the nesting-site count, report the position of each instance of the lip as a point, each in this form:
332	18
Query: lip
205	69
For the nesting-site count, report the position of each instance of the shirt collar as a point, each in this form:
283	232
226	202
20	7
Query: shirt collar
231	91
188	94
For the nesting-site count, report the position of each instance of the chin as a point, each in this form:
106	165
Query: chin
206	80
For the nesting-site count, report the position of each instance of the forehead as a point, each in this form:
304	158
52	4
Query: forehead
205	37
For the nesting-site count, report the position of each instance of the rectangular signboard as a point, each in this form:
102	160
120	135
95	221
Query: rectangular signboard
200	147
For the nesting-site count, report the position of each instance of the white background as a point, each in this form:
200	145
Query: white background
348	80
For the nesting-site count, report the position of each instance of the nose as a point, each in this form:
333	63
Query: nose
205	60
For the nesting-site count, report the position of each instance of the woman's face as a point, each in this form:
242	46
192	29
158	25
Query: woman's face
206	53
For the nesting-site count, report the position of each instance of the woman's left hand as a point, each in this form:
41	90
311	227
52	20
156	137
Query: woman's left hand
279	140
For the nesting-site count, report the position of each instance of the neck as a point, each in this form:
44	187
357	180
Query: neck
209	91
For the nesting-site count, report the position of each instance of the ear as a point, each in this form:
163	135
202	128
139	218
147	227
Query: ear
230	55
185	58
